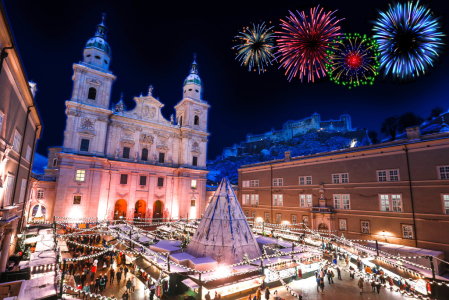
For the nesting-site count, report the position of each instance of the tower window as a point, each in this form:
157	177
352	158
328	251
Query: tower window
92	94
190	90
144	154
180	120
161	157
88	55
196	120
126	152
195	161
84	145
105	61
97	57
197	91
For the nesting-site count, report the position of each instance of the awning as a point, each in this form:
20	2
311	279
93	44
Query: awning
33	239
190	283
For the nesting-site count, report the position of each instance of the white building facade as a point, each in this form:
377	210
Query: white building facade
125	163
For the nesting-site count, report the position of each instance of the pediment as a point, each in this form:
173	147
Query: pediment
162	147
127	142
86	132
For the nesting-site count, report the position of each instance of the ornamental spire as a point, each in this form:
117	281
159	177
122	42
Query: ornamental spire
101	28
194	68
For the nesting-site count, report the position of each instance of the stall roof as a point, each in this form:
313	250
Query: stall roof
38	288
42	258
265	240
203	260
33	239
46	231
227	271
182	256
24	264
272	261
190	283
32	231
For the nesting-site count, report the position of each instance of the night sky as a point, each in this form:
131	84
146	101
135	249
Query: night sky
153	43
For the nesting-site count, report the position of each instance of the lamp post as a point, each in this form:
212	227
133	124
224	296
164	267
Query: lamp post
201	286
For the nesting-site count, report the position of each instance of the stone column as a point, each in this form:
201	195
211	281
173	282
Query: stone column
5	249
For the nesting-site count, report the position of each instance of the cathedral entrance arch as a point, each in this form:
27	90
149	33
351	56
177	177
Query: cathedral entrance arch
120	209
139	209
158	210
323	226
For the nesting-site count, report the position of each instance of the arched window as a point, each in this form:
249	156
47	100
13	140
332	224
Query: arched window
145	154
196	120
55	162
180	121
92	94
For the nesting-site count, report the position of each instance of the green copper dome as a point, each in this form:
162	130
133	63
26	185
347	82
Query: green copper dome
193	77
99	40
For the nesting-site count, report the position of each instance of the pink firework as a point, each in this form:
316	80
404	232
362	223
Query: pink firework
303	42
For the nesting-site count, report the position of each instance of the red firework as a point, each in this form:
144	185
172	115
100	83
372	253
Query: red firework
303	43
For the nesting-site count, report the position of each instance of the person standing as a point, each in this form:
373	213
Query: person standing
128	285
267	294
111	276
318	283
92	287
102	283
86	290
373	287
133	283
119	276
347	260
339	273
329	276
125	296
207	297
360	284
97	284
322	285
126	271
258	294
378	288
152	295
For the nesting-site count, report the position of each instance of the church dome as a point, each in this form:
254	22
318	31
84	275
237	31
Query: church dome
99	40
193	77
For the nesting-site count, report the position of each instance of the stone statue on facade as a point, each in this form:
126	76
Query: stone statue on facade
172	120
136	156
150	90
4	160
117	153
170	160
155	158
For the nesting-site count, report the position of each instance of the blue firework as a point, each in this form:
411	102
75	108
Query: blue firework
256	47
410	40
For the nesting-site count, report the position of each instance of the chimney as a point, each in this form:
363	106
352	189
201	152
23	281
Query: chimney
413	133
287	155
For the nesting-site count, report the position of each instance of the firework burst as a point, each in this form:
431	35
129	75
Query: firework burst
353	60
410	40
256	47
303	42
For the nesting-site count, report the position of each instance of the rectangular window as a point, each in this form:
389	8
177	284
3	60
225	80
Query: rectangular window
443	172
341	201
80	175
1	122
160	181
305	220
123	178
446	204
267	217
344	178
340	178
391	203
293	219
385	202
365	227
143	180
407	231
343	224
126	152
278	182
22	190
305	180
305	200
76	199
278	218
28	155
9	189
277	200
245	199
161	157
335	178
84	145
17	141
192	202
254	183
255	199
193	183
388	175
396	202
40	194
245	183
195	161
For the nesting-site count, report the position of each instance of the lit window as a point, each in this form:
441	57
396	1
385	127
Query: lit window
305	220
391	203
193	184
393	175
267	217
28	155
343	225
192	202
293	219
407	231
277	200
305	180
76	199
126	152
40	194
17	141
160	182
123	178
80	175
84	145
255	199
143	180
443	172
365	227
384	202
254	183
245	183
396	202
446	204
245	199
305	200
278	218
341	201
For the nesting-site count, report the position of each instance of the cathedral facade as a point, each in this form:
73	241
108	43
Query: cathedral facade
117	163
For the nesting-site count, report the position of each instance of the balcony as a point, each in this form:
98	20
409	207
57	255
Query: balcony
8	214
322	210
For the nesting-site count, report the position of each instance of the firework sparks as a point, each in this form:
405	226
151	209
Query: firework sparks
353	60
256	47
410	40
303	43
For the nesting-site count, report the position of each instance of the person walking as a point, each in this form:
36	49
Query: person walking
77	278
347	260
133	283
126	271
102	283
125	296
322	285
111	276
360	284
216	296
339	273
128	285
86	289
92	287
258	294
378	288
83	278
373	287
119	276
97	284
276	297
330	276
318	283
152	294
207	297
267	294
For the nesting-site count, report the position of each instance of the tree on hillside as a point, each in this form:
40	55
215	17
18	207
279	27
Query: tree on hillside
373	136
390	126
436	111
409	119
